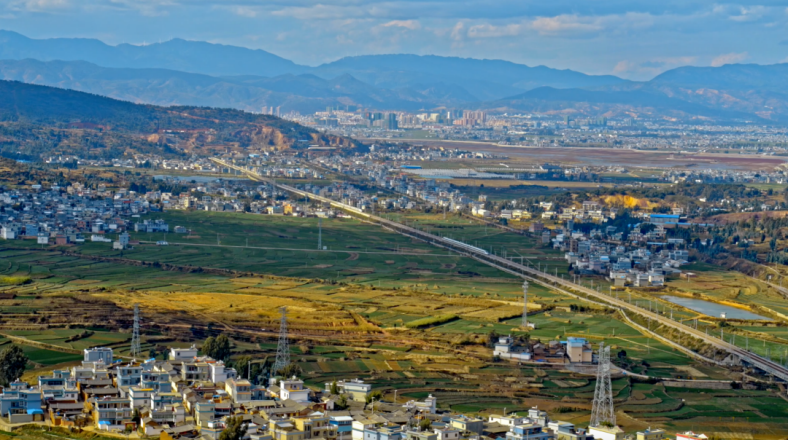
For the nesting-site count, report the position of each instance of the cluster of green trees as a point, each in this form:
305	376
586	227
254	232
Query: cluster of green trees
218	348
13	361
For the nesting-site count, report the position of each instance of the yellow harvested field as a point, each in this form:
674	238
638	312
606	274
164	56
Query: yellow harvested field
237	308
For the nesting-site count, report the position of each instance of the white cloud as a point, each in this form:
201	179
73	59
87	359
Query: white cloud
624	66
487	30
650	68
407	24
728	58
566	25
458	31
39	5
750	14
244	11
323	12
148	8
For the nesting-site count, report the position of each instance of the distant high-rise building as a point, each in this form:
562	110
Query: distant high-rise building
391	121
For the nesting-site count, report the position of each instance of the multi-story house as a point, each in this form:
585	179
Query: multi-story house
111	413
528	431
344	427
128	375
240	390
384	432
19	398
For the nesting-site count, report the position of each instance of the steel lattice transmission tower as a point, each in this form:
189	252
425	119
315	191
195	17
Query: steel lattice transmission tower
525	305
136	350
602	411
283	350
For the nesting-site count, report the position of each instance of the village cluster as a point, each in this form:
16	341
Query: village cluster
194	396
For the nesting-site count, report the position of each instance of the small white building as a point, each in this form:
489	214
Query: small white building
505	349
512	420
183	354
8	233
429	404
605	433
96	354
221	373
293	389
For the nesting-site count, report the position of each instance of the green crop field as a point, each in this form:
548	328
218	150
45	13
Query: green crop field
359	252
361	319
48	357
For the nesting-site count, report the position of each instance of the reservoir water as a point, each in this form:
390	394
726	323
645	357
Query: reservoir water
713	309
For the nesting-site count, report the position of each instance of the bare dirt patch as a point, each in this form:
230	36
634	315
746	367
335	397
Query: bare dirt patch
353	256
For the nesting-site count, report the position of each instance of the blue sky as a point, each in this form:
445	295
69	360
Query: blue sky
634	39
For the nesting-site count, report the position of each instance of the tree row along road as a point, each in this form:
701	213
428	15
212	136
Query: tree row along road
766	365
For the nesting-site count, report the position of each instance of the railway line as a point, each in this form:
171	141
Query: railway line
766	365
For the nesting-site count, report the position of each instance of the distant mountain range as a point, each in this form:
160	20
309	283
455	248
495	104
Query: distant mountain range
180	72
177	54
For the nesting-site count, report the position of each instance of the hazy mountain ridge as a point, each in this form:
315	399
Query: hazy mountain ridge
176	54
489	79
226	76
306	93
609	103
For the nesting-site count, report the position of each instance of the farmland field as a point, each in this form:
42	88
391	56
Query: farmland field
348	310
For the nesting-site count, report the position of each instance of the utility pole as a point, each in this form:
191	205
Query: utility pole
319	233
136	350
525	305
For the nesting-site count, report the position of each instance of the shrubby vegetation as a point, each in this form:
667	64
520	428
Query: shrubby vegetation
430	321
14	281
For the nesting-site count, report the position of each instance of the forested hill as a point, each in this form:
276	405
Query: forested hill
27	107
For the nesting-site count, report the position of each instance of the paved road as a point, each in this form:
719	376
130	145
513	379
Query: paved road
753	359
